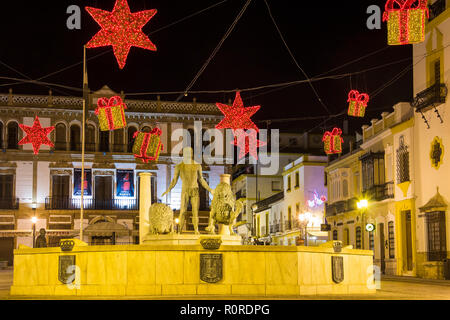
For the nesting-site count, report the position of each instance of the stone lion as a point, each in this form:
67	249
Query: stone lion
160	219
224	208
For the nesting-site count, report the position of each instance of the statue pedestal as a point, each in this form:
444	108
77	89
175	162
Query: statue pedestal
190	239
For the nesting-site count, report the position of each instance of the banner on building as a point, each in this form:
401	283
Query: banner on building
125	183
87	182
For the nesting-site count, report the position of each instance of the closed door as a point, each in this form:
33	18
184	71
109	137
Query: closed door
60	192
103	192
382	251
408	240
6	191
6	250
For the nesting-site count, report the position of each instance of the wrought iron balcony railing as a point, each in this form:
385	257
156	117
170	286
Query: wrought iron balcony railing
436	9
431	97
67	203
340	207
380	192
9	203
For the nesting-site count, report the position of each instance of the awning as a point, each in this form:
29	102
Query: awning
318	234
106	229
437	203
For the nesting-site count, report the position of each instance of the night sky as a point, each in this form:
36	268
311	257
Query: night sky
321	34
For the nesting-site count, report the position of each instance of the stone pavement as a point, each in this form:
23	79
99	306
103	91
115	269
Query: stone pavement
392	288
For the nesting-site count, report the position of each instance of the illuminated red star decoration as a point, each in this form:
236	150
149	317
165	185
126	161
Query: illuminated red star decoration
36	135
236	116
247	142
121	29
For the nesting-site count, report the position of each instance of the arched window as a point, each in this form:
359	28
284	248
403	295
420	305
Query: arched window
402	161
103	141
118	140
391	237
1	135
345	188
60	139
75	138
130	139
13	135
358	237
335	234
90	138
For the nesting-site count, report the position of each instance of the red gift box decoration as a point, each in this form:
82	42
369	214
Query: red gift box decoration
333	141
406	21
111	114
357	103
147	145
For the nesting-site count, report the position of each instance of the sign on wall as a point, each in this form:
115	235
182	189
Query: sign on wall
125	183
87	182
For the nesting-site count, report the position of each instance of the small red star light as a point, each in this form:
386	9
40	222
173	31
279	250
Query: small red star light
121	29
36	135
247	142
236	116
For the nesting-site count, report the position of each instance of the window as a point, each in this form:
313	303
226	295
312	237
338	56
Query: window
6	191
402	161
346	237
436	236
276	186
297	180
13	135
297	208
345	188
75	138
1	135
90	138
335	234
103	141
358	237
118	140
357	183
371	241
60	139
131	132
289	222
372	170
391	240
288	184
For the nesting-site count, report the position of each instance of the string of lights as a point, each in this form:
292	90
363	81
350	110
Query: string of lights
216	49
295	60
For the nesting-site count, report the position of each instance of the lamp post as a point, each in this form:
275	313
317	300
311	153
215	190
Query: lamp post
177	221
304	219
362	206
33	222
254	208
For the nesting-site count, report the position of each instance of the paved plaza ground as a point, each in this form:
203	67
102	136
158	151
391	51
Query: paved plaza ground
392	288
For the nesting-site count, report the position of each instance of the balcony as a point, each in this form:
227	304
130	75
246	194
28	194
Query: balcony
11	204
66	203
380	192
431	97
436	9
340	207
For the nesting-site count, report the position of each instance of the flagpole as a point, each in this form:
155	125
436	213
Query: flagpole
83	135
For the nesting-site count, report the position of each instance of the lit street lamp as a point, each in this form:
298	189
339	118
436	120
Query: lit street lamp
304	219
362	206
177	221
33	221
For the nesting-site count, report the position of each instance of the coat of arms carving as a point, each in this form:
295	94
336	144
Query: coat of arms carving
337	267
211	267
66	271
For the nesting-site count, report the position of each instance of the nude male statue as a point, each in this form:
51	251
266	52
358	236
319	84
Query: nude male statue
190	172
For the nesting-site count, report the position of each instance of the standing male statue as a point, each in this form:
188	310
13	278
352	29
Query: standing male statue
190	172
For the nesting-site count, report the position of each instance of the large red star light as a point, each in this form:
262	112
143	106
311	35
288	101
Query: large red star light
236	116
247	142
121	29
36	135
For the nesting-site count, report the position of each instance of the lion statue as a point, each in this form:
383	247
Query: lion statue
160	219
224	208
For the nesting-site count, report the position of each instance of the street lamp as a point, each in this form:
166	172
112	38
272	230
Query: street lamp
304	219
362	206
33	221
177	221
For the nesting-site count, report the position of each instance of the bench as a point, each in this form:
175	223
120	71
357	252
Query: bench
3	264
